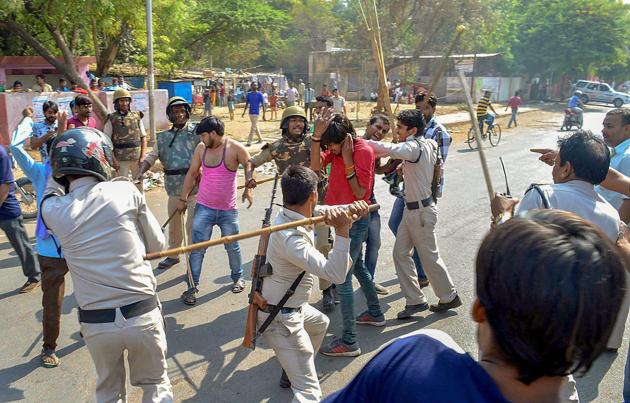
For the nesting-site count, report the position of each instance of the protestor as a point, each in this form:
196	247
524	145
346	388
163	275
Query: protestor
351	177
45	131
106	228
126	130
82	111
254	100
519	360
175	148
215	160
297	333
294	148
417	228
49	255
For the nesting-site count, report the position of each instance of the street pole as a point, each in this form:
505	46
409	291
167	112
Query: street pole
150	75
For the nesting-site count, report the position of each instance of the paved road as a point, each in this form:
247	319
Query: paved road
206	362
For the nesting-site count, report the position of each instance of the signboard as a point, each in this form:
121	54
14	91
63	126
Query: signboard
64	105
38	104
140	102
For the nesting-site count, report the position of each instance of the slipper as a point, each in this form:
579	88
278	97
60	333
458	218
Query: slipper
238	286
49	359
190	296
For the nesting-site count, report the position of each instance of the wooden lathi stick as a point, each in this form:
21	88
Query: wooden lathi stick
239	237
258	182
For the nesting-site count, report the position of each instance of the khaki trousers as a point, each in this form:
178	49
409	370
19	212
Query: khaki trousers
616	337
254	128
127	168
417	228
175	236
323	246
144	339
295	338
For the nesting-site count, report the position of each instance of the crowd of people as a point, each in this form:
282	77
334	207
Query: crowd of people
550	284
95	84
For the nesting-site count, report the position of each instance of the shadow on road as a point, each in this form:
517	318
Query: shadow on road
588	385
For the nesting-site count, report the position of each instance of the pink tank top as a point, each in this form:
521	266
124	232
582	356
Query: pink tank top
217	188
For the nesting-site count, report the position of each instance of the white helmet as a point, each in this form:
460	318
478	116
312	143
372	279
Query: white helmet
578	92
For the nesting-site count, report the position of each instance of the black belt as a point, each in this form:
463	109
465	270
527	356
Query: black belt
182	171
282	310
416	205
132	144
109	315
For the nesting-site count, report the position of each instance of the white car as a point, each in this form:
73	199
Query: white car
593	91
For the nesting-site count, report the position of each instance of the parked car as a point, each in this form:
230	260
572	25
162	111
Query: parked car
594	91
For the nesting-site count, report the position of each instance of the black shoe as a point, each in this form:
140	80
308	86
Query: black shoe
168	263
441	307
285	383
412	309
328	299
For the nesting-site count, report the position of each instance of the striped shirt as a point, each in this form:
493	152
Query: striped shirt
482	106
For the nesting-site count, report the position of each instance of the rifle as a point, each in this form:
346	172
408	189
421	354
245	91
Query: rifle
260	270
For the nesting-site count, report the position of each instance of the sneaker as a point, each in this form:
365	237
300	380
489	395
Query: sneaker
412	309
328	300
29	286
366	319
445	306
168	263
423	282
337	348
380	289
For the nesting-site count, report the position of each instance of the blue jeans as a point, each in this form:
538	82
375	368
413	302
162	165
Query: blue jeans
358	236
626	380
394	222
205	218
373	243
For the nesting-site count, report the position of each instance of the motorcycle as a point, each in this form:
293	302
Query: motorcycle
570	119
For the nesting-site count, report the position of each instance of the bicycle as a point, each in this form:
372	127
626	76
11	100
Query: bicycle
493	134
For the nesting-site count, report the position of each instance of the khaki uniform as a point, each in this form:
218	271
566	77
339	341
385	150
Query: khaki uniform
126	134
286	152
296	334
175	149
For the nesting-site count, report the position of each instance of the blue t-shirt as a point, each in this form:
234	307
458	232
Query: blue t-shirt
254	99
41	129
10	209
421	368
574	101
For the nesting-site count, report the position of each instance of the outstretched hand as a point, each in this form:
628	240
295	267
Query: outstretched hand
322	122
548	155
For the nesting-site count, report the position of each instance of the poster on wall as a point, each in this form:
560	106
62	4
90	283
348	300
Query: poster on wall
140	102
38	104
64	105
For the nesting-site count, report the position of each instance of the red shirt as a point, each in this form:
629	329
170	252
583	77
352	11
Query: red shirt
77	123
339	190
515	102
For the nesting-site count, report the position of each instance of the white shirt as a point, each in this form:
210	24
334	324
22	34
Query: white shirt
105	229
292	251
578	197
292	94
338	103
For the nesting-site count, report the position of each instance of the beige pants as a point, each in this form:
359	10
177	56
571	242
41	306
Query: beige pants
144	339
323	246
175	236
295	338
254	128
616	337
417	228
127	168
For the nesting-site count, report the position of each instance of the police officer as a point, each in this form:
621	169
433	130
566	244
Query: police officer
175	148
105	228
294	148
128	135
297	332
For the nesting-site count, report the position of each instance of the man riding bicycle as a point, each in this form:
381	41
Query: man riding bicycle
482	110
575	104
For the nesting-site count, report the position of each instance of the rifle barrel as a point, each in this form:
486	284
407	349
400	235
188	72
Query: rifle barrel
241	236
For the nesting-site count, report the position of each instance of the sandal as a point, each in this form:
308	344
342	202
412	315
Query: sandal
238	286
190	296
49	359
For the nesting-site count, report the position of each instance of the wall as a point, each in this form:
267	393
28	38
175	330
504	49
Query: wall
11	106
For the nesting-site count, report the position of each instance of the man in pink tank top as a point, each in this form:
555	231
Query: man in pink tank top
214	164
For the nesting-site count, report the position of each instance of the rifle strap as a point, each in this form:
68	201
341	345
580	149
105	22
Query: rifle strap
274	312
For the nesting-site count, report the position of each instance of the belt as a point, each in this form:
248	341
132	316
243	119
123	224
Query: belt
109	315
416	205
282	310
132	144
182	171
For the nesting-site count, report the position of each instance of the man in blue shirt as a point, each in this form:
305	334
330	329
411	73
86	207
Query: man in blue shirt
574	105
254	100
49	255
45	130
63	86
13	226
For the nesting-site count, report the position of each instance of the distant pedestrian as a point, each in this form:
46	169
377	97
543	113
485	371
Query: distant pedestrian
325	91
301	88
339	103
273	104
253	100
514	103
292	95
207	104
309	100
230	103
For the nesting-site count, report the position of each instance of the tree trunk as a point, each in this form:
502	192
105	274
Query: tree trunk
106	58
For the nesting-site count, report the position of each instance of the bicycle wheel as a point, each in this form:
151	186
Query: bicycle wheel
25	193
494	135
472	142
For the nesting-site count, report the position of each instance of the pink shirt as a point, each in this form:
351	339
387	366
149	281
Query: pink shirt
217	188
515	102
77	122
